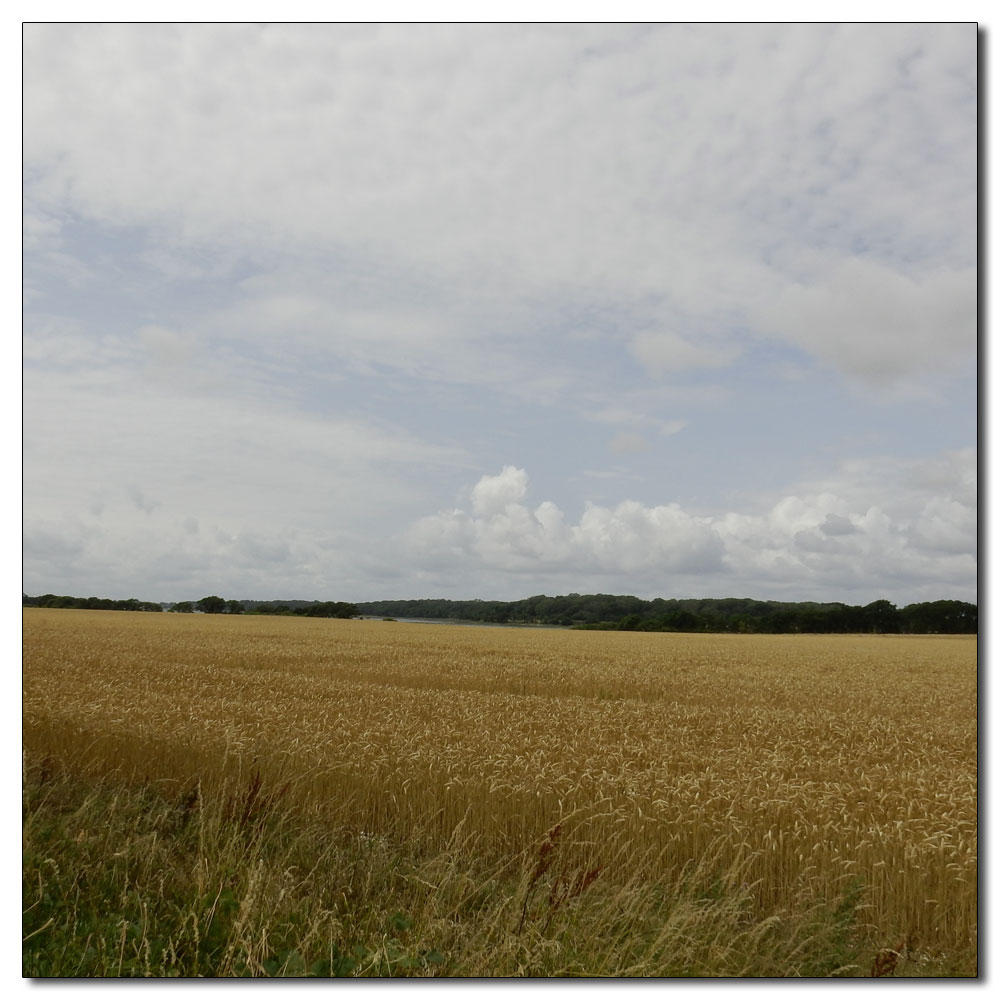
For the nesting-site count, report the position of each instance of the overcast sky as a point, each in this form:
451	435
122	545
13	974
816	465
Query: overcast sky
349	312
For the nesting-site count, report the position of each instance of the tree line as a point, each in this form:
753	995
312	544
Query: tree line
744	615
594	611
211	605
214	605
91	603
306	609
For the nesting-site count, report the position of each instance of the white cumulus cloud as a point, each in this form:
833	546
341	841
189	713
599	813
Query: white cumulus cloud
874	529
502	532
493	495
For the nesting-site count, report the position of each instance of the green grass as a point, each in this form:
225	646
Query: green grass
158	880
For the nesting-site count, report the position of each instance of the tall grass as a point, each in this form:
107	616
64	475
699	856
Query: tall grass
383	799
122	881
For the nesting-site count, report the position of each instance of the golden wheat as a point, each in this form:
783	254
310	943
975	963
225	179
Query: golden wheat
805	763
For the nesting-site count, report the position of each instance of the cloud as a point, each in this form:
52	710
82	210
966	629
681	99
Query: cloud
288	284
633	414
492	495
142	502
167	349
868	533
502	532
871	527
836	525
679	178
163	484
662	353
878	324
628	441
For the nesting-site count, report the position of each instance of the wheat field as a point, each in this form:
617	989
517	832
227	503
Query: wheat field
797	768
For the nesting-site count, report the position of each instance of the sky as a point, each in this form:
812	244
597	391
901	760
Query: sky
359	312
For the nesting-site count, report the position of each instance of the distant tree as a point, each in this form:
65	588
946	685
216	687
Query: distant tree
184	607
881	616
234	608
941	616
329	609
212	605
682	621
